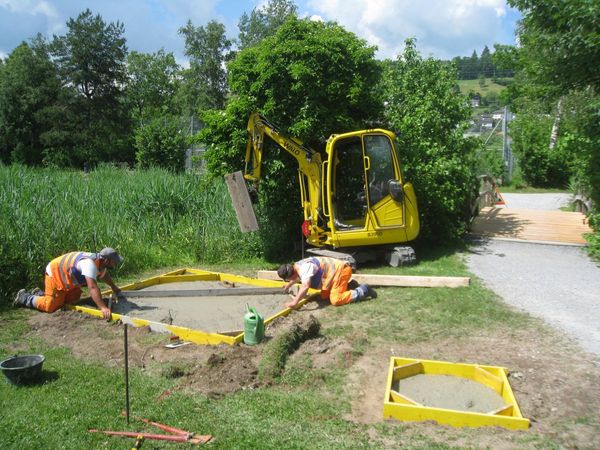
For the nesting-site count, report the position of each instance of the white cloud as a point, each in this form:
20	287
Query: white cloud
149	25
443	28
41	8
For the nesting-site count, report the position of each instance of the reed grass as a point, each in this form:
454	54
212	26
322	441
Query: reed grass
153	217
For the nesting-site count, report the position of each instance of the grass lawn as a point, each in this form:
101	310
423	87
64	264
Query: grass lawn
467	86
310	406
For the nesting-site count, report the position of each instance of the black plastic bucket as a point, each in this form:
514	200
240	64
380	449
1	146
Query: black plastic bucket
23	369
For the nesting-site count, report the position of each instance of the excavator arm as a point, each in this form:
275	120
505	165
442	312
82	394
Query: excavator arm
309	161
309	167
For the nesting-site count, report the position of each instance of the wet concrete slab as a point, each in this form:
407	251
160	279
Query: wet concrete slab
208	313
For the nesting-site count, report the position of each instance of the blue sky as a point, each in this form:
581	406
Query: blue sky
443	28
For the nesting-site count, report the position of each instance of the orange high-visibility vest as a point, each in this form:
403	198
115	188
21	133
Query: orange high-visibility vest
64	271
328	267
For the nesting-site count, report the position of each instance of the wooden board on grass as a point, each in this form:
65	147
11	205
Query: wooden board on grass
391	280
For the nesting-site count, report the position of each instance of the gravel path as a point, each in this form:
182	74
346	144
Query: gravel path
557	283
548	202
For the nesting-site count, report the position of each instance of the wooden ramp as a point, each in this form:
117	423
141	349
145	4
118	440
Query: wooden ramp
554	227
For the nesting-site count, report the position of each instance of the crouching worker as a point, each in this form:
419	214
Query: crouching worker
330	275
64	277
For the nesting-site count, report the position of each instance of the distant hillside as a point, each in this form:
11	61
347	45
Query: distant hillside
467	86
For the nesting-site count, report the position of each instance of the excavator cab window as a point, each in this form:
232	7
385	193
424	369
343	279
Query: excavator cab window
379	150
349	198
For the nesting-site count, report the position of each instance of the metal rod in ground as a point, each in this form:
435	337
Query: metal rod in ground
126	372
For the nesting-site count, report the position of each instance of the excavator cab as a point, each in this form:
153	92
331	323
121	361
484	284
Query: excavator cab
368	202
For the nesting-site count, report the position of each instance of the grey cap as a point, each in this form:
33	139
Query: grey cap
285	271
112	254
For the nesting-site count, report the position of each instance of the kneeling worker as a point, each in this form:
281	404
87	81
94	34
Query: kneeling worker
64	277
330	275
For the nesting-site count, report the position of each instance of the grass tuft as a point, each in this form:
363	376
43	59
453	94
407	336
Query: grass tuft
276	351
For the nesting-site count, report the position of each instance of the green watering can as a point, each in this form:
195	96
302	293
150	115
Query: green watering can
254	326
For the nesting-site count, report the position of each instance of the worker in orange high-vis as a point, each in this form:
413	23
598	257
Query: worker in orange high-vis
330	275
64	277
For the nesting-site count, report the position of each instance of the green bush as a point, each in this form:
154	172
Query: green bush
541	165
161	142
429	118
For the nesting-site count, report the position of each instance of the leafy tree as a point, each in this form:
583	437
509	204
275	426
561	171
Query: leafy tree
481	81
264	21
152	84
205	83
557	61
429	119
560	42
312	79
91	60
580	140
506	59
161	143
474	66
159	137
486	65
540	164
28	85
471	68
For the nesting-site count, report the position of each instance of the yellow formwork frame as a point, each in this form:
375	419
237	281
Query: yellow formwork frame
397	406
188	334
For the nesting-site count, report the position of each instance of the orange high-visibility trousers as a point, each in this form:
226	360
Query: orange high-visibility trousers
339	294
54	298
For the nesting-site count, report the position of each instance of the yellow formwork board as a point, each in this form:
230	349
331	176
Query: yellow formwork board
188	334
397	406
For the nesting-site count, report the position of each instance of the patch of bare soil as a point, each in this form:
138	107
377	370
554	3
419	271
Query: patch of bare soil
556	384
212	370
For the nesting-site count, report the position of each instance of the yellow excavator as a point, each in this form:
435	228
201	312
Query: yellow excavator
356	204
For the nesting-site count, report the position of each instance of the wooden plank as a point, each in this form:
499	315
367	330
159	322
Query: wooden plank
203	292
397	397
241	201
391	280
532	225
506	410
408	370
490	380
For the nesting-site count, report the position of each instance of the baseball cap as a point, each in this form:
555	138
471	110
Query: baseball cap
285	271
112	254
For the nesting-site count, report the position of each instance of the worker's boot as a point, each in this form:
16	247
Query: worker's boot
24	299
37	292
362	292
367	291
370	291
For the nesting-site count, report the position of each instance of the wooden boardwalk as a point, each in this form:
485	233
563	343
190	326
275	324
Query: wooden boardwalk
556	227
